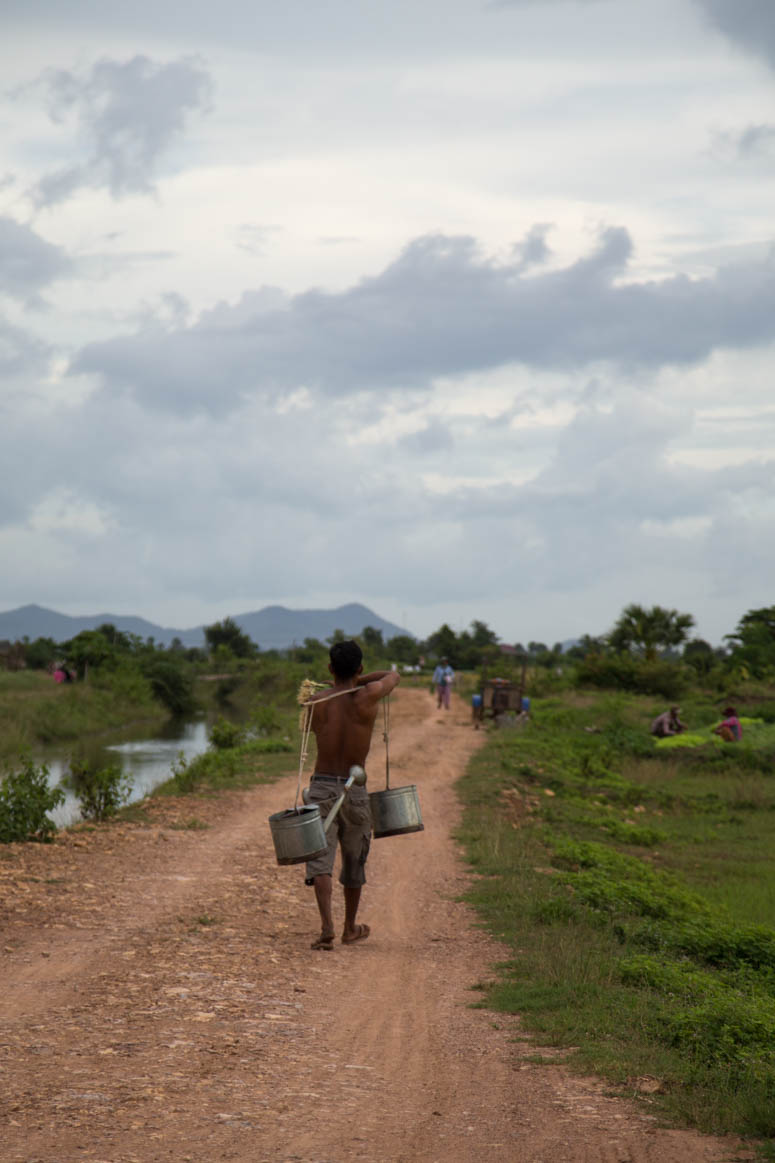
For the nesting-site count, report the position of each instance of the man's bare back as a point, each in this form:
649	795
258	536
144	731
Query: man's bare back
343	724
343	719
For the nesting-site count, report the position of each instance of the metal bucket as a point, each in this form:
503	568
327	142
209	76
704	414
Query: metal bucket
298	834
395	811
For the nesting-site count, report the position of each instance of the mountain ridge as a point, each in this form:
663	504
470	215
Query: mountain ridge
271	627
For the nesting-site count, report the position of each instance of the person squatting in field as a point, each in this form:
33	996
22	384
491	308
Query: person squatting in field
730	728
342	727
668	724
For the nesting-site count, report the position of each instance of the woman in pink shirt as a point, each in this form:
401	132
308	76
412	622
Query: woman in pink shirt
730	728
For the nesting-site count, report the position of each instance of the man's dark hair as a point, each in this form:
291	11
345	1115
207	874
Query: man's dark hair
346	659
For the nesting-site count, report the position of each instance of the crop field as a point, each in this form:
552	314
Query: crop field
635	884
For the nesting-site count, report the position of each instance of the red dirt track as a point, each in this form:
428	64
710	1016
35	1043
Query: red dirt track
160	1000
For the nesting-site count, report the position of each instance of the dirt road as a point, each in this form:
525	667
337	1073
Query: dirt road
160	1000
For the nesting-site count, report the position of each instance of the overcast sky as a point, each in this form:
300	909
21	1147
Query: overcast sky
460	309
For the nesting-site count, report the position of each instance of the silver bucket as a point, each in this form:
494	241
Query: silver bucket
298	834
395	811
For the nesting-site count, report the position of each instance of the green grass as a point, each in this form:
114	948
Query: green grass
35	711
635	887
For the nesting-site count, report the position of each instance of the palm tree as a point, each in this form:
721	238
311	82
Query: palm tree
644	631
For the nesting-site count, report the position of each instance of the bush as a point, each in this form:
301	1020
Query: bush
100	792
184	775
171	685
25	801
224	734
265	721
226	688
621	671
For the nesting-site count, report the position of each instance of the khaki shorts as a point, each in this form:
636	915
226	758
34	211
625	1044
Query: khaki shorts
351	830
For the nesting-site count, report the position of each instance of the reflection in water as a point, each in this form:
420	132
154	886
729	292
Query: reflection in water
147	761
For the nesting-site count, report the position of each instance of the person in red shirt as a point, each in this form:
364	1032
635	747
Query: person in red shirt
730	728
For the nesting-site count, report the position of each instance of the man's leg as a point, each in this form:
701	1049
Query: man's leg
352	898
323	896
352	930
356	839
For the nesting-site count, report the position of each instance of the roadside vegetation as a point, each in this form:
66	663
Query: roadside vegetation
635	886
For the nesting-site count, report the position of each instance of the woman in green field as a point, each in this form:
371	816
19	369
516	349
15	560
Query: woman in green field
730	728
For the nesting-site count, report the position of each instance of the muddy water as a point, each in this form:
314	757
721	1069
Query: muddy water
147	759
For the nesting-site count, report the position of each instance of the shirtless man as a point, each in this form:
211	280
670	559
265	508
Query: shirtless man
343	727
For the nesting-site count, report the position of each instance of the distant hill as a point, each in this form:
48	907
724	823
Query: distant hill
276	627
273	627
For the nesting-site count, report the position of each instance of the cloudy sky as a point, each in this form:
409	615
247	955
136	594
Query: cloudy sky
458	308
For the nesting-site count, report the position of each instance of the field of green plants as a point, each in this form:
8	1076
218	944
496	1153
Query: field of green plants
635	886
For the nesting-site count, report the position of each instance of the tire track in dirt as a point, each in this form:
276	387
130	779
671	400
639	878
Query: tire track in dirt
160	1000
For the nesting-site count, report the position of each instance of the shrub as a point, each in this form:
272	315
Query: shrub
171	685
25	801
100	792
264	720
224	734
226	688
184	777
621	671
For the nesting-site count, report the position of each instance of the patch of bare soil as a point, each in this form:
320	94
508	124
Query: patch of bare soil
160	1000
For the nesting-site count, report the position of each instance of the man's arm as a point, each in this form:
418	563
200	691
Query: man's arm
379	683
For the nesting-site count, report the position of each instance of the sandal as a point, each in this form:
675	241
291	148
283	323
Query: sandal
361	933
325	942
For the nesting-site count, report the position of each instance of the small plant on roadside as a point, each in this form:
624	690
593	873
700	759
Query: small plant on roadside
25	801
183	775
100	791
224	735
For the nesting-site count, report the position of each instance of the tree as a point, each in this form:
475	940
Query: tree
642	632
700	655
443	644
227	633
482	635
403	648
89	648
753	642
40	653
372	640
116	638
586	646
170	683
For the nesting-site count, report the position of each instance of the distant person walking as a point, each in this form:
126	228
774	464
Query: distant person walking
668	724
730	728
443	678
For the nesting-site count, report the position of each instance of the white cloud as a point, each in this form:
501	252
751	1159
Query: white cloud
128	115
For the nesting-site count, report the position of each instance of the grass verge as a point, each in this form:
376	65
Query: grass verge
636	889
35	711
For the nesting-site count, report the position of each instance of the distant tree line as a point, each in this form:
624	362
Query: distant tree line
648	648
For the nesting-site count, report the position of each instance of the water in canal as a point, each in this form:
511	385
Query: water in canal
147	758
